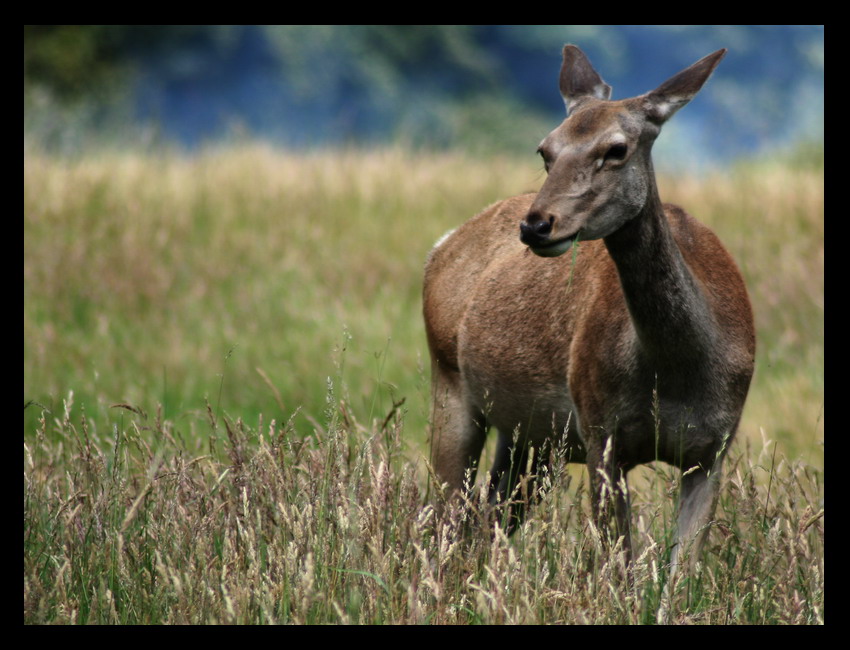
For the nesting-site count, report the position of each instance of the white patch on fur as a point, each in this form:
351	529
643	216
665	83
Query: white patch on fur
442	239
618	138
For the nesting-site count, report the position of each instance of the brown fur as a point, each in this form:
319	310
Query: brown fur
576	347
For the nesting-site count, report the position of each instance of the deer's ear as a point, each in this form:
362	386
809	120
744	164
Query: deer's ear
579	80
679	89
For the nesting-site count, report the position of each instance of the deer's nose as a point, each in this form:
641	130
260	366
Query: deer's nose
535	229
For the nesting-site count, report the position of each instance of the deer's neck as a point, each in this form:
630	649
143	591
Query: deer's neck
668	309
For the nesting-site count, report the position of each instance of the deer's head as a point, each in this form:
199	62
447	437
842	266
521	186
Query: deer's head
598	160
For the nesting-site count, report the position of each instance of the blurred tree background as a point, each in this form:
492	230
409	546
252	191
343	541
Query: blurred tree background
485	88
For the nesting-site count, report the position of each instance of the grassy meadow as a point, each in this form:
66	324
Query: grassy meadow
226	402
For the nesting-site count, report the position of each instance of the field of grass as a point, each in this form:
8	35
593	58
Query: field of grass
226	402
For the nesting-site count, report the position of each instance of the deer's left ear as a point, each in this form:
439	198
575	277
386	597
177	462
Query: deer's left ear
678	90
579	80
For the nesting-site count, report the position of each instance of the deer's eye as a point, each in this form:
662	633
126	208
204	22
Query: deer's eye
616	151
543	156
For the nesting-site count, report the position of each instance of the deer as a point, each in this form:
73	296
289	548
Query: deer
636	347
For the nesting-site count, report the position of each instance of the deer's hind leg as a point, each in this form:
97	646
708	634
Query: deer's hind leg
458	432
513	478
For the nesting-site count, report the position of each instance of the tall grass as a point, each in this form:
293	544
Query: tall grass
231	523
227	382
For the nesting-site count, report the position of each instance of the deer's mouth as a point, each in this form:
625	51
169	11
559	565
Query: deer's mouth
553	248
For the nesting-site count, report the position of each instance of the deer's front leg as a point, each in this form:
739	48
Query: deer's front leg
609	490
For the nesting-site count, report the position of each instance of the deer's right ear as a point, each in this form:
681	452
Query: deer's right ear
579	80
679	89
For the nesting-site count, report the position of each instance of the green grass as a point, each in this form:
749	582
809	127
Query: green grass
147	279
227	381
